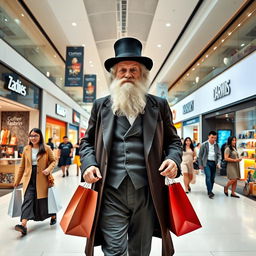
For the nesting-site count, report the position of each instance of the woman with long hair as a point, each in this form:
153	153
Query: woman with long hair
188	157
233	169
37	163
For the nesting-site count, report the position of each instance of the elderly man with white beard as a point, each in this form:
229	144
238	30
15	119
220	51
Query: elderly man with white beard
130	146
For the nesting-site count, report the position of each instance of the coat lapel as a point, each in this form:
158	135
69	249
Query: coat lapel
29	154
149	125
107	124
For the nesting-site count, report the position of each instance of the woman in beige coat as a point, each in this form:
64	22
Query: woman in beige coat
37	163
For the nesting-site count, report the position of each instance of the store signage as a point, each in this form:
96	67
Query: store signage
191	121
76	117
222	90
61	111
189	107
16	86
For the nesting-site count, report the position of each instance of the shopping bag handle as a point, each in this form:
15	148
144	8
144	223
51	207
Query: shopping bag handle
169	181
86	185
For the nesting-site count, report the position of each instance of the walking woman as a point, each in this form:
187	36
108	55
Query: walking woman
188	157
233	170
37	163
77	157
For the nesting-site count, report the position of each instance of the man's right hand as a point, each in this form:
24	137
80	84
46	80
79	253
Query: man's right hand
92	174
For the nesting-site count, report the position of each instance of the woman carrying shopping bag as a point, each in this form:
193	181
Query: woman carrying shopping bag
37	164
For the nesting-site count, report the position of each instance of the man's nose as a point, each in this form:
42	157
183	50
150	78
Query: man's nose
128	74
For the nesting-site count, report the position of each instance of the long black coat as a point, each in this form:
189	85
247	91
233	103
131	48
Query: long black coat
160	142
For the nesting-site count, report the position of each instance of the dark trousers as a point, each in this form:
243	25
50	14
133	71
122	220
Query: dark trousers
127	220
210	172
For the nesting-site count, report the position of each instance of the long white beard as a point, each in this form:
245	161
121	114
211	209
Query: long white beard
128	99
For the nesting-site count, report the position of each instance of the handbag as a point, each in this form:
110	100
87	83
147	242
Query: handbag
79	215
53	201
14	209
182	216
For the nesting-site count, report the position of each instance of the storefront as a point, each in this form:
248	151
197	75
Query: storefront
19	113
178	127
191	129
227	104
73	133
55	129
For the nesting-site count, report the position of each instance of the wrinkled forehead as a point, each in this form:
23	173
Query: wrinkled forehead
127	64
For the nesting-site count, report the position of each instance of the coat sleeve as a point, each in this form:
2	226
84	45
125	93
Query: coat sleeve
200	155
20	173
87	147
172	142
51	159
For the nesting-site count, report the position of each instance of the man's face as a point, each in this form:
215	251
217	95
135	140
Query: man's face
212	138
128	70
65	140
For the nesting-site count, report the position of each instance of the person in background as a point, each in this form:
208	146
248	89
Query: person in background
233	169
188	158
49	143
65	153
37	163
209	158
77	156
196	164
130	147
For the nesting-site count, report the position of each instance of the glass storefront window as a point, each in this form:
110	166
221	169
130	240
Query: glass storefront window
235	43
20	32
246	140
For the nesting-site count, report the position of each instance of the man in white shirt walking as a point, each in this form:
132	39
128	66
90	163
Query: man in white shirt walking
209	158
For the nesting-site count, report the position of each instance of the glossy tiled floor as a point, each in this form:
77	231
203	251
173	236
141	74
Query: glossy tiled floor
229	227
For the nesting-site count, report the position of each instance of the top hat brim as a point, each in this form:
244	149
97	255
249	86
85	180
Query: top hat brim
147	62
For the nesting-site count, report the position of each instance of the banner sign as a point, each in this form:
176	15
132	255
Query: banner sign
162	90
89	94
74	66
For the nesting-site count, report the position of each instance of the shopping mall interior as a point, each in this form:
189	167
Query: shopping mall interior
53	71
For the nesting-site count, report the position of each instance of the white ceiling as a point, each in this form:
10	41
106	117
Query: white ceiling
9	105
97	30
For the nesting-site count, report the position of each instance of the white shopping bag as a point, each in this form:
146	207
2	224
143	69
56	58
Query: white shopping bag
14	209
53	201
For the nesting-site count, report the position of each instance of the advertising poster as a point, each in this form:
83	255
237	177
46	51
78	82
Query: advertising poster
89	94
162	90
74	66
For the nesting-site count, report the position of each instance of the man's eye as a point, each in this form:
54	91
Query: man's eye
122	70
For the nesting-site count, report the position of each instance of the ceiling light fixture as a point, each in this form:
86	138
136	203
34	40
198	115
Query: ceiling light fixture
242	45
222	40
215	48
54	56
47	73
83	45
193	69
239	25
122	18
249	14
5	19
206	55
229	33
74	24
187	74
197	79
167	24
159	45
197	64
22	15
90	61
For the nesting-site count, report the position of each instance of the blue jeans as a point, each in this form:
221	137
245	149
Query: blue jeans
210	172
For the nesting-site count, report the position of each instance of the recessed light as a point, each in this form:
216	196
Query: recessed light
74	24
83	45
193	69
197	64
187	74
47	73
90	61
5	19
202	60
61	79
17	21
206	55
197	79
215	48
249	14
242	45
213	67
229	33
222	40
159	45
91	66
167	24
22	15
54	56
239	25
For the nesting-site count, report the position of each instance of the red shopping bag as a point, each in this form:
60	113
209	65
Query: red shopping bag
182	217
79	215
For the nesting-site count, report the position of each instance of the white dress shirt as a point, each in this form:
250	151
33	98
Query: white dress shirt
211	154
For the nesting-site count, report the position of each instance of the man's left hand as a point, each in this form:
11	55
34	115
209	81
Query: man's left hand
168	168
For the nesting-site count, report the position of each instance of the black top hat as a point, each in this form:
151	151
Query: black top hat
128	48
